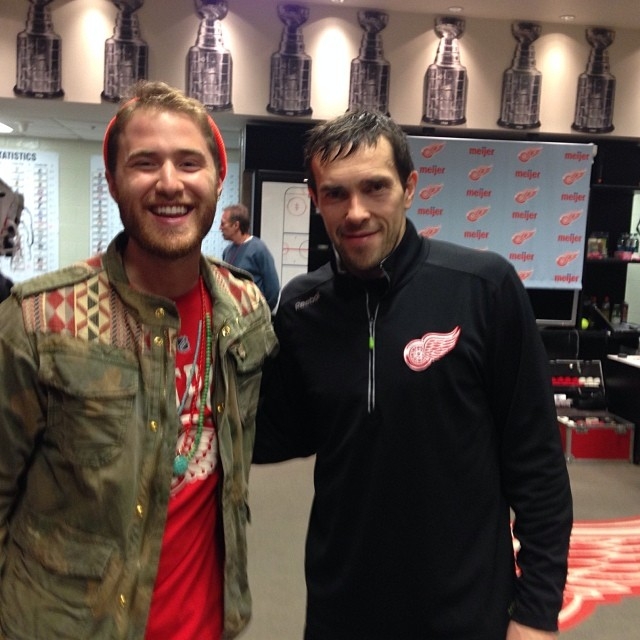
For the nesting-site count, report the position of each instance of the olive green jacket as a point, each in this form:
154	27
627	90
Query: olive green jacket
88	428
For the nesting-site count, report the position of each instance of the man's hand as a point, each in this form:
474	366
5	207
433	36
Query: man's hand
517	631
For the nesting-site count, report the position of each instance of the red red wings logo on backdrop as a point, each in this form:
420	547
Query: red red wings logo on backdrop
604	567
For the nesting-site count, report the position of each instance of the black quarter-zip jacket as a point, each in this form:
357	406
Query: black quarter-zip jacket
426	399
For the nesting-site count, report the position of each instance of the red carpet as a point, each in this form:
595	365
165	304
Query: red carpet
604	567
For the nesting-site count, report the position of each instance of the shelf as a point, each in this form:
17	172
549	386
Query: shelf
615	187
610	261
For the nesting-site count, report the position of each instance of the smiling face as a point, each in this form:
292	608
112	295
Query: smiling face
363	205
165	183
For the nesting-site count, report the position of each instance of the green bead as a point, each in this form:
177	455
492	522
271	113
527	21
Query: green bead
180	465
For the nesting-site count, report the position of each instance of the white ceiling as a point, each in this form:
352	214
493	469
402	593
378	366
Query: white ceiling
604	13
74	121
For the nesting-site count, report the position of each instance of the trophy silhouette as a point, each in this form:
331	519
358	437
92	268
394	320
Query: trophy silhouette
209	64
369	80
445	82
290	89
596	86
125	53
39	52
522	82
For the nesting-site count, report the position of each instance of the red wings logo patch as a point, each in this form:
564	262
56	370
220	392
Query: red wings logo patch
420	354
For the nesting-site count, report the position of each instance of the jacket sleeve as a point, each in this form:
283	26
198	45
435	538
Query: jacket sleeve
21	411
533	468
282	433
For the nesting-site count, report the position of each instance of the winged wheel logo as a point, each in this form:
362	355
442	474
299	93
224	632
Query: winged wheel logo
423	352
604	567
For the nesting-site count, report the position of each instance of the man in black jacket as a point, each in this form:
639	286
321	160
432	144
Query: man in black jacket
414	371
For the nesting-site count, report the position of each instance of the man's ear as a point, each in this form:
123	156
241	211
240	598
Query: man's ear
312	195
410	189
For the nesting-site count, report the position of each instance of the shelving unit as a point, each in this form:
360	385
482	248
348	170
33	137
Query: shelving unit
615	179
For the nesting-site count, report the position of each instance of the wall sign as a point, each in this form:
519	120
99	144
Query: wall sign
284	226
526	201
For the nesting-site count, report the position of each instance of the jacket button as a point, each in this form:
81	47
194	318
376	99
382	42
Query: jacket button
139	510
226	330
220	407
153	425
159	312
158	341
122	600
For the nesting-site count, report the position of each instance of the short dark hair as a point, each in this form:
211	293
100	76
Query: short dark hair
240	214
344	135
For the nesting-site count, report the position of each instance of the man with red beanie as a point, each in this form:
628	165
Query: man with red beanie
128	407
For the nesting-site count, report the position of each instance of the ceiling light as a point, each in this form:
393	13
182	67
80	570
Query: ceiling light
5	128
567	18
456	9
337	1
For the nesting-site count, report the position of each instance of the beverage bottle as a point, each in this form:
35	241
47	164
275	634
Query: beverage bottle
616	314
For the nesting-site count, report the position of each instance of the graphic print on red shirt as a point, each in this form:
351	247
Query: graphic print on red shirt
188	598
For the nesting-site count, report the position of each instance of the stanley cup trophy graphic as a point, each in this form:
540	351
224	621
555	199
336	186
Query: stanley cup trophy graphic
522	82
369	80
39	53
596	86
290	88
209	64
125	53
445	83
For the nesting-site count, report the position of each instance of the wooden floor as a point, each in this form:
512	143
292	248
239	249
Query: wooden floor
280	501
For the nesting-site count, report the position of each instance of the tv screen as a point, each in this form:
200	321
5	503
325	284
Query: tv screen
555	307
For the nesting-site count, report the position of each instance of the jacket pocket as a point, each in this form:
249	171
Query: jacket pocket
250	351
54	582
91	391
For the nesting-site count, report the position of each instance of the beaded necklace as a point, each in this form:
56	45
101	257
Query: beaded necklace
192	371
182	459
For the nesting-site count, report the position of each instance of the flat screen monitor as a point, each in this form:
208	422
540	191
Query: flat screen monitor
555	307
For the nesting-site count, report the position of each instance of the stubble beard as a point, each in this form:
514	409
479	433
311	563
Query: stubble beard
366	264
167	244
362	265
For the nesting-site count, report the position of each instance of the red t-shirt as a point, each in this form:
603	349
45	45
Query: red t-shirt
188	599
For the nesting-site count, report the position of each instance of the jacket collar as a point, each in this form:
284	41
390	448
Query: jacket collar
395	267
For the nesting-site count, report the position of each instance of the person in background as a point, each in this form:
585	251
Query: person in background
248	252
130	384
11	207
414	372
